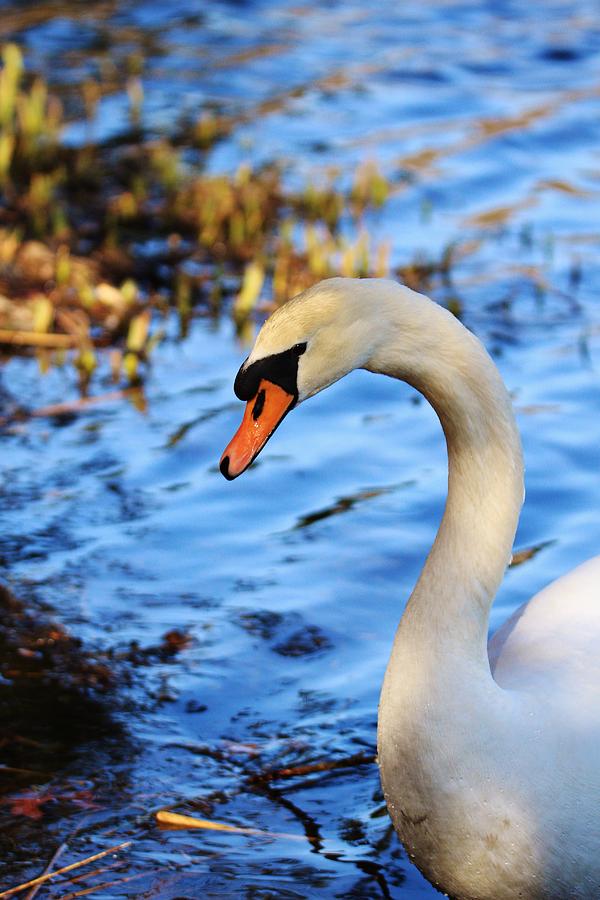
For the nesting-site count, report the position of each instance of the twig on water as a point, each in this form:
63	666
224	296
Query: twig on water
101	870
74	407
81	404
58	852
83	862
327	765
15	770
176	820
100	887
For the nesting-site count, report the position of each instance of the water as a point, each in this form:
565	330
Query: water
289	582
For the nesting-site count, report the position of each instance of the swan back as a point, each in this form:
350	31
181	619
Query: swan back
552	644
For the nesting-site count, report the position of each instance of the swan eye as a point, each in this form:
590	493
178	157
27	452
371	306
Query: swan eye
279	368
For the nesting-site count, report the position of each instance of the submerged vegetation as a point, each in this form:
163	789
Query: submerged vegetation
99	240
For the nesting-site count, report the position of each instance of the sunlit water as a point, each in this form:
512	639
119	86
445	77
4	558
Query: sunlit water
291	580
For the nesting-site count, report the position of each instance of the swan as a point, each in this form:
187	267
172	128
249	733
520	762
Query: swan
489	754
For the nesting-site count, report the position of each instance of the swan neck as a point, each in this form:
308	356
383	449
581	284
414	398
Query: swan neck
450	605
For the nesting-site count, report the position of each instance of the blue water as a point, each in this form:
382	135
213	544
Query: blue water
291	580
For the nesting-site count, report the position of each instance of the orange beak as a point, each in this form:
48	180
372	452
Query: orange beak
262	416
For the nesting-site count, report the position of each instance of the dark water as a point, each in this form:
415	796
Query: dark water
290	581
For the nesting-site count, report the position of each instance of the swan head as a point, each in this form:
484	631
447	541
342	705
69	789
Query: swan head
305	346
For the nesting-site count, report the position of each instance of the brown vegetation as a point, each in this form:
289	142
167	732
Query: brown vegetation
72	220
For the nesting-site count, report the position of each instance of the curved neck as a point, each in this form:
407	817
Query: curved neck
446	620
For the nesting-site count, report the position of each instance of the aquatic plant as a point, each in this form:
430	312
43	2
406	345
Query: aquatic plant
72	277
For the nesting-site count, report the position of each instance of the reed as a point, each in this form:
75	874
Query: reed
73	219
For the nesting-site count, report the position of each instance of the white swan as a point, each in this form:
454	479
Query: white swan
489	755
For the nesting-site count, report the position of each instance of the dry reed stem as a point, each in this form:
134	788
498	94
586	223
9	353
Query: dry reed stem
79	405
83	862
15	770
68	407
101	870
327	765
58	852
38	339
100	887
176	820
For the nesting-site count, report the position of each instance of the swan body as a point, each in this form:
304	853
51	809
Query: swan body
489	756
